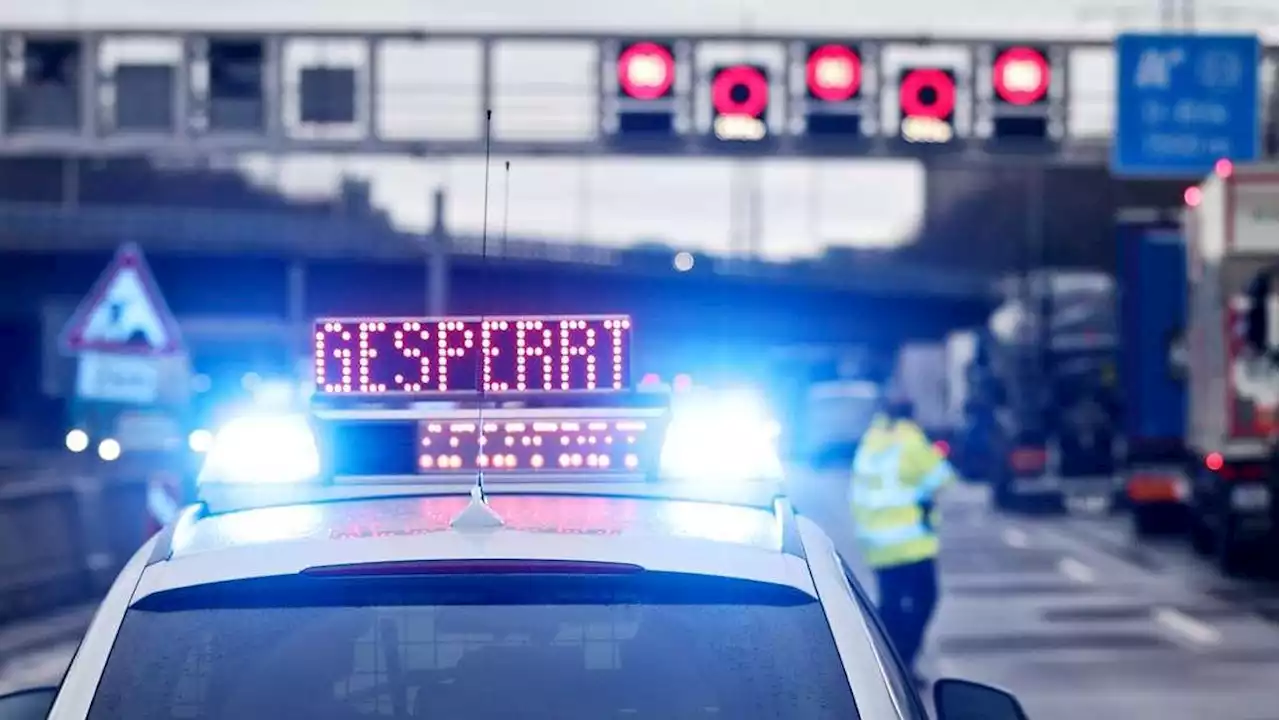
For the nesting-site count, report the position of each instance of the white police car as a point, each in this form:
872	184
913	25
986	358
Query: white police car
347	563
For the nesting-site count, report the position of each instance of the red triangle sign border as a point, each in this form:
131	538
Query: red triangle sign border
128	257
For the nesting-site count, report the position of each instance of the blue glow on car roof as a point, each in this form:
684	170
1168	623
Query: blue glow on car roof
419	516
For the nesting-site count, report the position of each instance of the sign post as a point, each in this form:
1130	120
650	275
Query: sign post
1184	102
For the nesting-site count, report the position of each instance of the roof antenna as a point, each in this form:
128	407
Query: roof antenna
477	514
506	205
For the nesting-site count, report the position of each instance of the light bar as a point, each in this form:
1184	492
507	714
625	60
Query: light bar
463	355
556	445
516	443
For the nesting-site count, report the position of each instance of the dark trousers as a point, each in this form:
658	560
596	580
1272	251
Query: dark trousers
908	595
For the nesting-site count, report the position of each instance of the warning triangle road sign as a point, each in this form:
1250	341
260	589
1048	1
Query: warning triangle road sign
124	313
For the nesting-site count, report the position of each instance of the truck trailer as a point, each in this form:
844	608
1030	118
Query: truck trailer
1152	297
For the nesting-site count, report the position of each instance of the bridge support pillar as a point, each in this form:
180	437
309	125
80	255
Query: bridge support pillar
296	304
437	251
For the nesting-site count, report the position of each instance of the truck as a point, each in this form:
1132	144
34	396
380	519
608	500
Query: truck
921	375
969	443
1152	298
1231	225
1051	391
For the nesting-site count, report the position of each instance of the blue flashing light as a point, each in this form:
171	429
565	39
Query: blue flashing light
265	449
721	437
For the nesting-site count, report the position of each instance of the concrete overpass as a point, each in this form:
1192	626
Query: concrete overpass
262	265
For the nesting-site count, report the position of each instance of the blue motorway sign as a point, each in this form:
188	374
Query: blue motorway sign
1185	101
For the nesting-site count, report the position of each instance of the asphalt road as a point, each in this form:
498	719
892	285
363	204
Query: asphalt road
1080	620
1068	612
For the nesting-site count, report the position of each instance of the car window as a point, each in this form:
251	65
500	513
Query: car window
644	646
899	679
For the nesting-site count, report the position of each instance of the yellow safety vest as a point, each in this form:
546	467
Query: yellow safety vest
895	471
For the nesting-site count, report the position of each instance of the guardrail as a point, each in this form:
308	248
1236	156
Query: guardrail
64	536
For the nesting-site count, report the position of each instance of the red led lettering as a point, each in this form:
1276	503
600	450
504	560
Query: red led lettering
493	339
337	376
617	351
453	340
463	355
577	341
411	340
364	352
522	355
532	343
320	366
544	356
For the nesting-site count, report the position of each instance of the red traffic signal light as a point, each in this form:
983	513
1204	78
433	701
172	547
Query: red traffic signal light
1020	76
739	101
927	98
740	90
646	71
833	73
928	93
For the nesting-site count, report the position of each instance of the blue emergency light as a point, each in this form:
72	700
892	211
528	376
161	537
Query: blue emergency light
417	401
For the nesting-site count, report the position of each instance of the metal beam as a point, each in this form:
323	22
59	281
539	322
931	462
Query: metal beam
95	138
399	34
1071	153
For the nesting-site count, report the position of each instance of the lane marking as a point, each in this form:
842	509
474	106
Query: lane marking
1076	570
1013	537
1179	622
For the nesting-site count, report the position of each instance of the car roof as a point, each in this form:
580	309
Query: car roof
681	536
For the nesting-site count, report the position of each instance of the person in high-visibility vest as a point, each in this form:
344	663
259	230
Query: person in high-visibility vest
896	476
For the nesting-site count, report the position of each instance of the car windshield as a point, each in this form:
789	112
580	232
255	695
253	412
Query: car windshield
647	645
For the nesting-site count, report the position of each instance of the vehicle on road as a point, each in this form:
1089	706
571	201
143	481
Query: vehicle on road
1152	363
1048	383
448	543
1231	365
837	413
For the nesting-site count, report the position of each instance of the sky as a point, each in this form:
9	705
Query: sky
806	206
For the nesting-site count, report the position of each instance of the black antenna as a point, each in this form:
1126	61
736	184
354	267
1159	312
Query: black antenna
477	514
484	282
506	204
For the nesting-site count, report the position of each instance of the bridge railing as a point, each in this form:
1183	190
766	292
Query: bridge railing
41	227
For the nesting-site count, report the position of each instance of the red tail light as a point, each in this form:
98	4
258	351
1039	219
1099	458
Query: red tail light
1217	464
1028	459
943	448
1214	461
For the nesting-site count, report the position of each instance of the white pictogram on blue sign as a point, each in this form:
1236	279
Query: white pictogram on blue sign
1184	102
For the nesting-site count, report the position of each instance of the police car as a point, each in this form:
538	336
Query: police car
476	518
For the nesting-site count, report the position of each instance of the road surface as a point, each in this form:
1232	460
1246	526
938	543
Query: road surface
1080	620
1068	612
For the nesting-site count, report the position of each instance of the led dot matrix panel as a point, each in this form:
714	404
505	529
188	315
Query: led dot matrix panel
428	356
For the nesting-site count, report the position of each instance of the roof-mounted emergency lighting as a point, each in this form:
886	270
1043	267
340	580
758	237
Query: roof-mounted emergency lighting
469	405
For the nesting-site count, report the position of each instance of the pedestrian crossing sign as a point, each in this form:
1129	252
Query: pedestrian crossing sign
124	313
